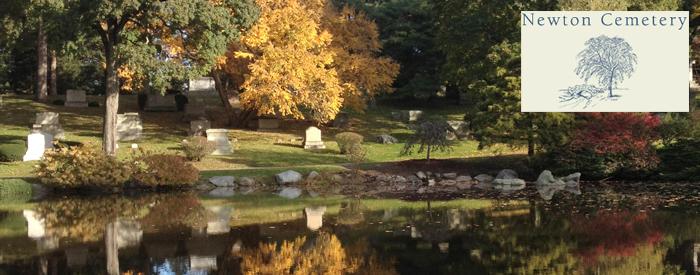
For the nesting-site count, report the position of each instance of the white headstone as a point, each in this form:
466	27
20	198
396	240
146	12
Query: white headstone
202	84
36	145
312	139
76	98
220	139
314	217
129	126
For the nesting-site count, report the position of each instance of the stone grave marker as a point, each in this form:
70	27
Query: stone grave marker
48	123
36	145
312	139
199	127
160	103
195	109
129	126
76	98
220	139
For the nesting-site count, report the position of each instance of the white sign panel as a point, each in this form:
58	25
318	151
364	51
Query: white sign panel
604	61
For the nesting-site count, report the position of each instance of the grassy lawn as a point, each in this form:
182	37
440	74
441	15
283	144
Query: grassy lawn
256	152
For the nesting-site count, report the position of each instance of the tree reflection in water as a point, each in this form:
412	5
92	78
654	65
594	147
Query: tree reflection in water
182	233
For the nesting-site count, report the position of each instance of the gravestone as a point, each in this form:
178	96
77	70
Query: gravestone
202	84
48	123
459	127
413	115
312	139
75	98
221	142
36	145
199	127
160	103
268	124
129	126
195	109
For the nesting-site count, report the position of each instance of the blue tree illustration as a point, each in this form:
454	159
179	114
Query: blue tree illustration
609	59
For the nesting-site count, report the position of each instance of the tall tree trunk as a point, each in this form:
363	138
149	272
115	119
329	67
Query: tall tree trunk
111	102
111	249
53	84
427	157
41	93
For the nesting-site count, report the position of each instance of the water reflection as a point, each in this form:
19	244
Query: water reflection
269	234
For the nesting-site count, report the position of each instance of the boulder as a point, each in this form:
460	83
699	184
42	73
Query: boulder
386	139
509	181
449	175
287	177
223	181
399	179
463	185
337	178
413	178
463	179
290	192
546	178
507	174
431	182
484	178
448	182
312	176
246	181
421	175
572	179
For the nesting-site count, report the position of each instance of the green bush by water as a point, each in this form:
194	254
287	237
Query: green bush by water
12	151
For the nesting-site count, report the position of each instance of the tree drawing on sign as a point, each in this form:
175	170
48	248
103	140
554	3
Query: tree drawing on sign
609	61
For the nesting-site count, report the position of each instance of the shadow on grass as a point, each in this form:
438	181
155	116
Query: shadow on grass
274	158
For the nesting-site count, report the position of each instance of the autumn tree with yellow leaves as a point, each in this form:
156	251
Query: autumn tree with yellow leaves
305	59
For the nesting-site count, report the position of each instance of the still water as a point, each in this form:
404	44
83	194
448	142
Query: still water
263	233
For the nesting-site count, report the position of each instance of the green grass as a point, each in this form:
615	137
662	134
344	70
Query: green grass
15	191
259	153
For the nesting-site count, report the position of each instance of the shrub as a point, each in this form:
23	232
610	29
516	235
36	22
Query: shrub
59	102
429	135
164	170
12	151
82	167
680	160
611	144
357	153
675	126
346	140
196	148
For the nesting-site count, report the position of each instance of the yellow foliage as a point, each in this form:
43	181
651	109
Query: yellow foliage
304	59
126	76
322	255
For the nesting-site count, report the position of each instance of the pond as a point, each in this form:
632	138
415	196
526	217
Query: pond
188	233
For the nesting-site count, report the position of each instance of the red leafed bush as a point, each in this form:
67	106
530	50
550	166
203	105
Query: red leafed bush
616	133
612	144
